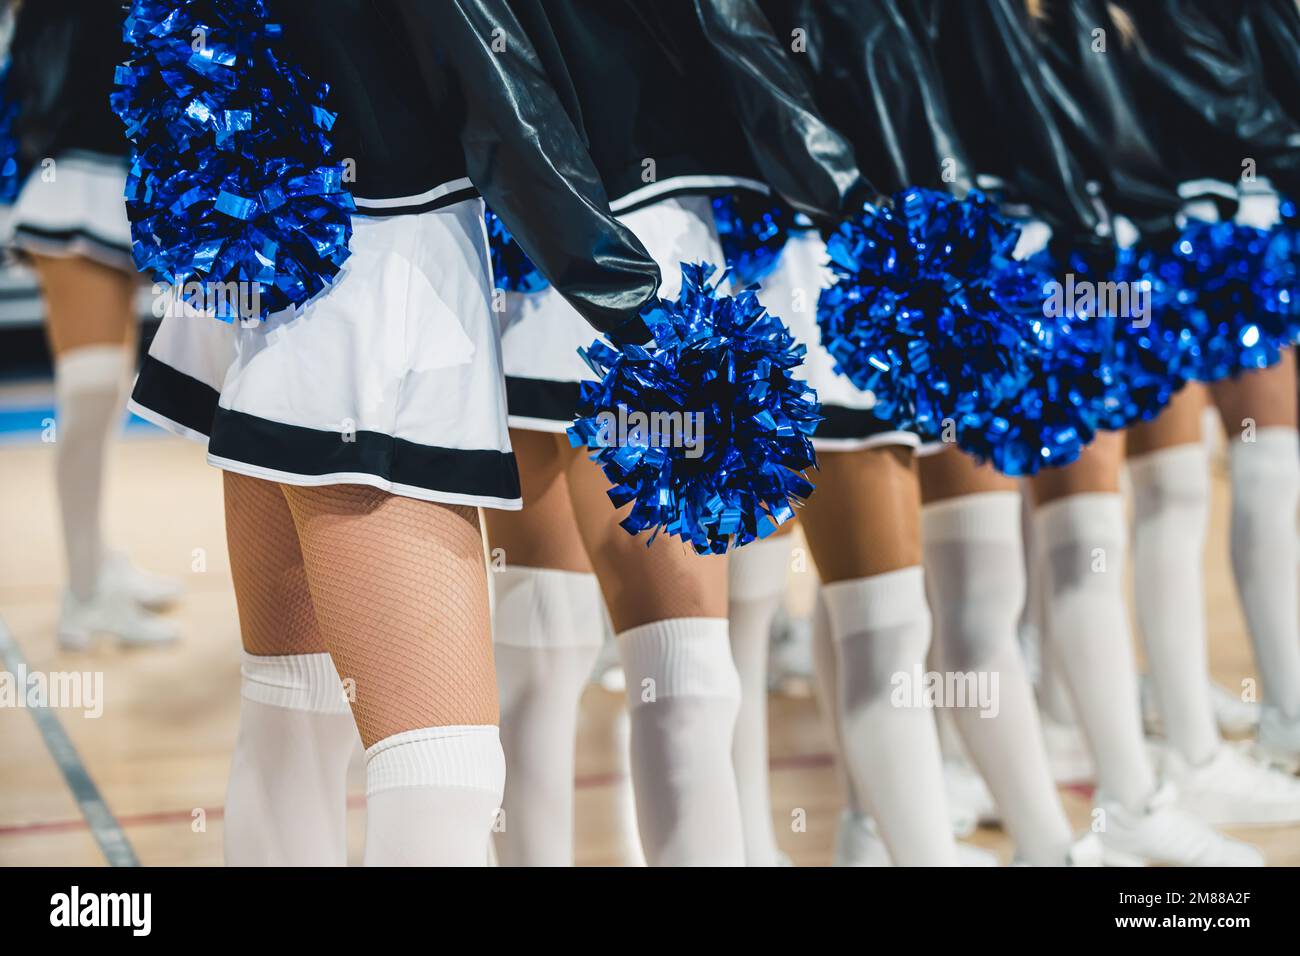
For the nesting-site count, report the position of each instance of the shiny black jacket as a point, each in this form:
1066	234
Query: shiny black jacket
1206	98
875	80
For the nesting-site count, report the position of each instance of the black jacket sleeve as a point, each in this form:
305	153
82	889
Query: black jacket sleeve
809	163
525	152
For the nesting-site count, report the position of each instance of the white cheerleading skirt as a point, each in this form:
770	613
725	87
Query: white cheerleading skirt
73	205
390	378
541	332
790	292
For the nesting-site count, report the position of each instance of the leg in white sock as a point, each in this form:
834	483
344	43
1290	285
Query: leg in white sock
683	694
547	628
881	626
432	795
87	387
756	589
286	802
1170	504
975	580
1082	542
1265	489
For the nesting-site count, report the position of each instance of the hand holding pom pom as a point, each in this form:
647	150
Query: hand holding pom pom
704	431
230	179
512	270
930	312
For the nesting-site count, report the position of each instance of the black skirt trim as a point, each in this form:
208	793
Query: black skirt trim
841	422
542	398
67	238
297	450
410	209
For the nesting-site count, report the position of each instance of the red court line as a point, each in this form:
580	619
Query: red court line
163	817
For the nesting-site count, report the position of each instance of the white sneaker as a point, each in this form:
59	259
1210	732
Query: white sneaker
114	615
151	591
1233	715
1085	851
1164	835
789	658
858	843
969	800
1279	739
1068	756
1233	788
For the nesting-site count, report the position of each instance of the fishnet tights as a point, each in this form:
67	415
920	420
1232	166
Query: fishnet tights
396	591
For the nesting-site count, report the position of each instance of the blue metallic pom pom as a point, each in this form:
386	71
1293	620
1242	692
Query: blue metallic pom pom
230	180
752	236
1237	295
512	270
706	430
930	312
11	179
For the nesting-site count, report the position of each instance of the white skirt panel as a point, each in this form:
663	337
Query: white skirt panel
391	378
541	332
74	206
790	292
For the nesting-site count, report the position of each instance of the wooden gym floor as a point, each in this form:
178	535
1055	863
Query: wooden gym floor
151	771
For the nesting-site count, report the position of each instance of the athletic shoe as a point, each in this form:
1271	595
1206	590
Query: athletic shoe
114	615
1163	835
154	592
1068	756
1085	851
968	796
1233	788
1279	739
1234	716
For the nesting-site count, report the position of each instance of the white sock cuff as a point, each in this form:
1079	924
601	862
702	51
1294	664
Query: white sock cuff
543	607
468	758
91	367
683	656
882	600
1275	450
306	682
1184	466
1090	517
759	569
989	515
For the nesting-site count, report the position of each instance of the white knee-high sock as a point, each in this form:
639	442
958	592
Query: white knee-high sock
548	630
881	626
432	796
1171	497
1265	489
683	694
756	588
286	802
975	578
826	675
1082	542
88	390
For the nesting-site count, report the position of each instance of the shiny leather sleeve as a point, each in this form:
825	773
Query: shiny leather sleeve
809	163
1209	95
1093	94
1006	117
874	79
525	154
1274	31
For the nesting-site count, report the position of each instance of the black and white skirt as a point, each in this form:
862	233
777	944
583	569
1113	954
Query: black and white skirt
391	378
73	205
541	332
790	292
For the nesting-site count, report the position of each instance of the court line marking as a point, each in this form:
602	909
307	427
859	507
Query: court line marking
103	826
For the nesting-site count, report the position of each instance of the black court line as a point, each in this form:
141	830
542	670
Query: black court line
103	825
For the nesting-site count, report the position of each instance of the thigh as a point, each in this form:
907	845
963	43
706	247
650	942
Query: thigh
1096	470
86	303
952	473
864	518
641	583
544	533
275	610
1262	399
400	592
1178	424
